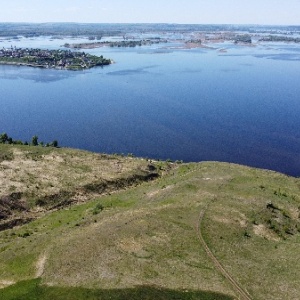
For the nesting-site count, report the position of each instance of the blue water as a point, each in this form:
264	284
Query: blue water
240	106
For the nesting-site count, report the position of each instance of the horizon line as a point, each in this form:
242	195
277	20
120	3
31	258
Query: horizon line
152	23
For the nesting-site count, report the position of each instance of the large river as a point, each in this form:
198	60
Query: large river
240	105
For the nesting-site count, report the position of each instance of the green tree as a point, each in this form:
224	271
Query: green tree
3	138
34	140
54	143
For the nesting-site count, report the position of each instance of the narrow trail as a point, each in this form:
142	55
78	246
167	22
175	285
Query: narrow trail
242	294
40	265
237	288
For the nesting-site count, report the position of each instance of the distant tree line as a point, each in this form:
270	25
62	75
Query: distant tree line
5	139
244	38
94	30
279	38
119	44
194	41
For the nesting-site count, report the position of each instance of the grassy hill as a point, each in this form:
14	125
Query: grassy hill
111	227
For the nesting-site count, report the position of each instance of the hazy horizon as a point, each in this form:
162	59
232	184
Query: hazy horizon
218	12
153	23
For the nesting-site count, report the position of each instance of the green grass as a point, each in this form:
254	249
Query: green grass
142	242
6	153
263	258
34	290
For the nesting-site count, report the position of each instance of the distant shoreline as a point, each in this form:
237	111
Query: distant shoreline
29	65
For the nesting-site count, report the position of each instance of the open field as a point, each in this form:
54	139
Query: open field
149	240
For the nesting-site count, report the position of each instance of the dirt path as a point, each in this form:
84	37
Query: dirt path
237	288
40	265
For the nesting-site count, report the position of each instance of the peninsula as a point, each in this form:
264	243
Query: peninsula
57	59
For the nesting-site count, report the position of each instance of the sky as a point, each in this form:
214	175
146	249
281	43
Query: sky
264	12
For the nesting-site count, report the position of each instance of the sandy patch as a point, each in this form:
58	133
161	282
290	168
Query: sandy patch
243	220
156	192
263	231
152	194
222	220
130	245
40	265
5	283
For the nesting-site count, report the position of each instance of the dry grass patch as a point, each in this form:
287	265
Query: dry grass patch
51	178
263	231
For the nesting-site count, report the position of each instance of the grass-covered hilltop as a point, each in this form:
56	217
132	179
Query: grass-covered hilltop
57	59
81	225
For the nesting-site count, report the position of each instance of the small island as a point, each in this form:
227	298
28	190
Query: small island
55	59
118	44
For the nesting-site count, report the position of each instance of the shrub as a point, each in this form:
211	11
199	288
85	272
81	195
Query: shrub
97	209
